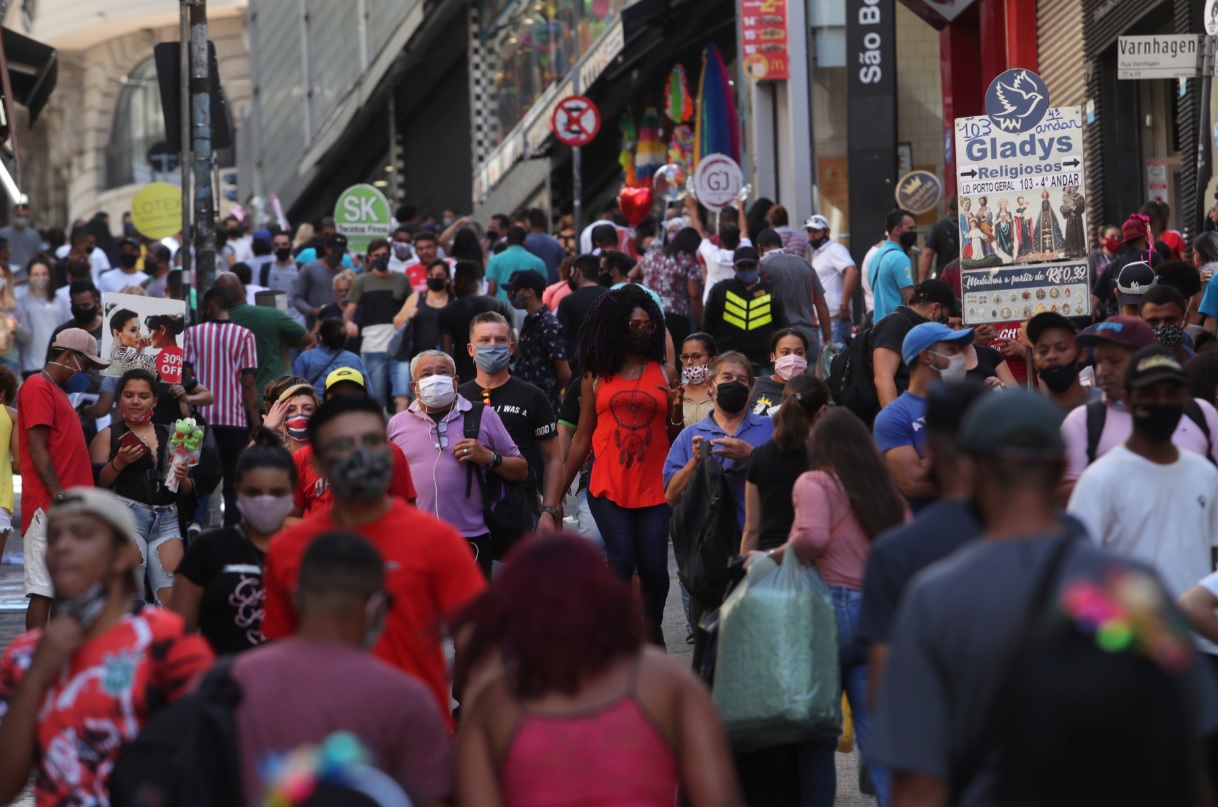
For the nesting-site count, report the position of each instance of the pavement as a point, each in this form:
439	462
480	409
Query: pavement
12	623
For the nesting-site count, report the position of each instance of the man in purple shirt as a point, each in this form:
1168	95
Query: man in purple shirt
432	435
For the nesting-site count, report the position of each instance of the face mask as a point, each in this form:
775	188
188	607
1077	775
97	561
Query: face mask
732	396
86	606
638	341
447	221
83	314
520	302
333	260
128	229
40	283
748	276
265	513
605	280
492	358
127	260
955	370
79	382
362	474
790	366
151	267
696	374
1111	244
436	391
282	255
1157	421
817	243
437	284
380	264
297	427
1168	335
401	250
909	239
1059	379
138	419
21	222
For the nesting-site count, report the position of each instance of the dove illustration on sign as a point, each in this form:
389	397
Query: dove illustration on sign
1017	101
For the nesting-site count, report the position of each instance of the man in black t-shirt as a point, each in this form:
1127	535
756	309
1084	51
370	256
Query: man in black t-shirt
575	307
942	244
455	318
525	411
932	300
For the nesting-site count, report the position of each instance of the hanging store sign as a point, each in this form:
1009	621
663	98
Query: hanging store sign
717	181
763	32
362	213
919	192
1157	57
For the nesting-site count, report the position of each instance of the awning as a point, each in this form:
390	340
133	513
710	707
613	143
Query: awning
33	69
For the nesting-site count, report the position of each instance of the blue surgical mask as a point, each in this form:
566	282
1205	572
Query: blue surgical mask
492	358
748	276
79	382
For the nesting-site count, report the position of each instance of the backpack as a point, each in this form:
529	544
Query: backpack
505	506
852	379
186	755
1097	414
704	533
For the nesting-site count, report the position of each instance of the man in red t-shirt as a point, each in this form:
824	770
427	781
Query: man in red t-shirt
53	454
429	569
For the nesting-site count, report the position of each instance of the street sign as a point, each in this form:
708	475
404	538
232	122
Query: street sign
362	213
1021	202
1161	56
1156	181
1210	17
156	210
919	192
1016	101
575	121
717	181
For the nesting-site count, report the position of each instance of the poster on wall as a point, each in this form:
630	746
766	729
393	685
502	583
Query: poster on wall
143	333
1156	181
763	31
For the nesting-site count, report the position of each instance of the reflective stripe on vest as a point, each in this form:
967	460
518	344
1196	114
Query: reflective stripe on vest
745	314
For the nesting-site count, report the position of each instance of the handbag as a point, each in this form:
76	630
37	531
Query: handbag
505	505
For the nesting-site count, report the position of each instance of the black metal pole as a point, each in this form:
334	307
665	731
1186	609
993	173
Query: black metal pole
200	138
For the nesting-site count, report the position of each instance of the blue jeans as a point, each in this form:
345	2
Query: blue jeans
154	525
841	329
377	365
399	378
818	775
637	538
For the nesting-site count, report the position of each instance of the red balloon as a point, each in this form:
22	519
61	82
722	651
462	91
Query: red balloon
635	204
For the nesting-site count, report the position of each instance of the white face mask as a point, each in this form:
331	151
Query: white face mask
696	373
955	369
266	514
437	391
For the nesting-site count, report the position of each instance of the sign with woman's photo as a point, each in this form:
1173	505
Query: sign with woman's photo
143	333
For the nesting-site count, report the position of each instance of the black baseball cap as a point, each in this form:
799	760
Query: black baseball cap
1153	364
1135	280
1047	321
1014	425
336	241
745	255
936	291
525	279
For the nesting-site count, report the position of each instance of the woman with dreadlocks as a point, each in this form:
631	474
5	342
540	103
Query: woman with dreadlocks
630	411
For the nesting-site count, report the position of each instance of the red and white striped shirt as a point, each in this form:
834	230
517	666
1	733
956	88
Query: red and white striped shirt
220	351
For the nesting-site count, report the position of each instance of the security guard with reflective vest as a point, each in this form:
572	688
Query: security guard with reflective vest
742	313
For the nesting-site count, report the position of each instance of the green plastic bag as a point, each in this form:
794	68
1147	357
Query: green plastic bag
776	669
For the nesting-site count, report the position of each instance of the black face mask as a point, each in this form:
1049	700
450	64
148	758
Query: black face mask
1059	379
83	315
151	267
638	341
817	243
381	264
437	283
732	396
127	260
1157	421
908	240
333	260
282	255
605	280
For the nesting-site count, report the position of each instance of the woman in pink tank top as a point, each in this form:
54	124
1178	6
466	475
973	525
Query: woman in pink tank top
582	712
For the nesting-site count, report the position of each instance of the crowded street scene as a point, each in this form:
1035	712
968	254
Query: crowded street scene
608	403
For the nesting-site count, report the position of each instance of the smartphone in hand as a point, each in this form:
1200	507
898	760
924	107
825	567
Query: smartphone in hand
130	439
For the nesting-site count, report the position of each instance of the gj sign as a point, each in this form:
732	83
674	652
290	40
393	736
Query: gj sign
362	213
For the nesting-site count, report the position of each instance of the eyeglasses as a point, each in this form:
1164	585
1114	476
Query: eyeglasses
442	431
645	326
346	445
688	357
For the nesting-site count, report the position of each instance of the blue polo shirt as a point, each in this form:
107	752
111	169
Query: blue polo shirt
756	430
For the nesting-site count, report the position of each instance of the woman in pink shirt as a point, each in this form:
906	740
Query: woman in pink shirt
841	504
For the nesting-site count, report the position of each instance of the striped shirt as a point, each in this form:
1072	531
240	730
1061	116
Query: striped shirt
220	351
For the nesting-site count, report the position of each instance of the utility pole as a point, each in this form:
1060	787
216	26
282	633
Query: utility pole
184	166
200	141
1208	67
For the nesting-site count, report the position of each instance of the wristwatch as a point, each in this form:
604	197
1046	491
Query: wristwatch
59	497
554	511
496	460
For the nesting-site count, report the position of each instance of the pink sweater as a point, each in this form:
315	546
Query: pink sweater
821	505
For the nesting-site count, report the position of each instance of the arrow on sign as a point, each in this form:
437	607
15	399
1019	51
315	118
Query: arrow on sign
970	174
1072	163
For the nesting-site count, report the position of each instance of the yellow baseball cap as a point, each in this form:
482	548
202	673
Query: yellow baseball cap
345	374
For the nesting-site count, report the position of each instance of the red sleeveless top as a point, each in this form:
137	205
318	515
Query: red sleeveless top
630	443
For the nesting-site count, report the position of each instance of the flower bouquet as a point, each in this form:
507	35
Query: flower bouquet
185	446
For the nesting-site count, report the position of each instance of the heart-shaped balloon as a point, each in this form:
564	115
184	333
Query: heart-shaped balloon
635	204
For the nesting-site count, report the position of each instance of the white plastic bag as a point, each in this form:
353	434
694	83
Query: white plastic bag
776	670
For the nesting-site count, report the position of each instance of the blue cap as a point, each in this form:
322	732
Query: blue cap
926	334
262	235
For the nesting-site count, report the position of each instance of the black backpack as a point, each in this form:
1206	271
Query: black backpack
186	756
1097	414
852	378
505	505
704	530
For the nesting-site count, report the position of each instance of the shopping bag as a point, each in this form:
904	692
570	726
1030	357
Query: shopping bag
776	667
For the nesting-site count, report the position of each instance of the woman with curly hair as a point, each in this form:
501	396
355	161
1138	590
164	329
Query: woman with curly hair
630	412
